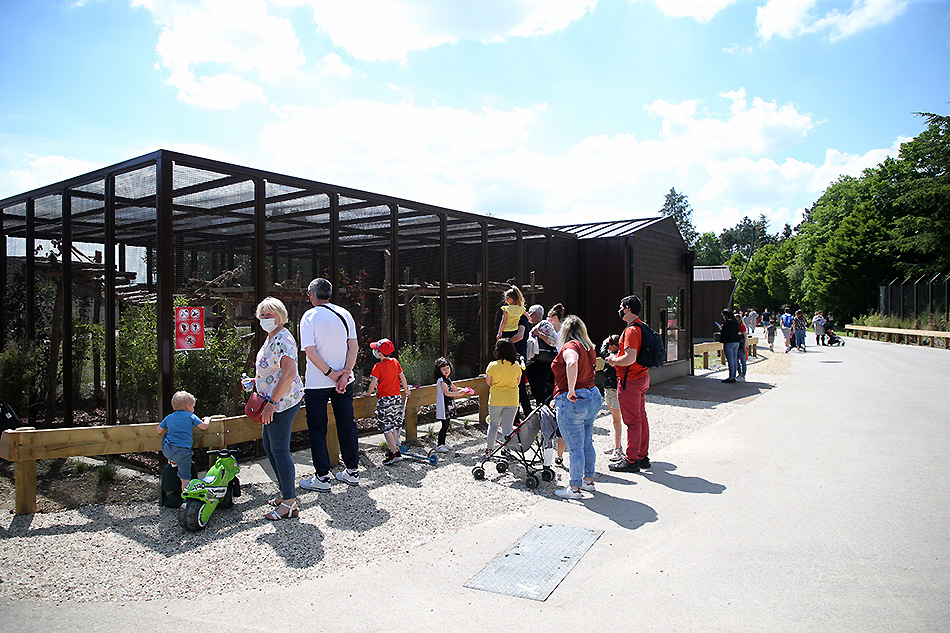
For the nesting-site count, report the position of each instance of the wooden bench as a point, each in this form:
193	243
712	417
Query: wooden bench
25	445
704	349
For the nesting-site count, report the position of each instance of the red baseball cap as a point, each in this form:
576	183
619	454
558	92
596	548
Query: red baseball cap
384	345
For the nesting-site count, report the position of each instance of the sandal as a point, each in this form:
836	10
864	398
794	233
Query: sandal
276	501
275	515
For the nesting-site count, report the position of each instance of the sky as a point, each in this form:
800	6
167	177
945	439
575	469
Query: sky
547	112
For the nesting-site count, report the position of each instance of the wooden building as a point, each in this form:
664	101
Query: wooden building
712	288
646	257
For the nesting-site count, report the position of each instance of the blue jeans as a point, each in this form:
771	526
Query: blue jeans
732	357
276	439
317	420
575	421
800	338
742	356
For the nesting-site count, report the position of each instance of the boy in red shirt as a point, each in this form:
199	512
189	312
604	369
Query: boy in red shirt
385	380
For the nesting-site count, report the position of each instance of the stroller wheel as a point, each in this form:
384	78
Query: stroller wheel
501	466
531	481
478	473
547	474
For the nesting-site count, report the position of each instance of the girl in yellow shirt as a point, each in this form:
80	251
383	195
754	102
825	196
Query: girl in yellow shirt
503	377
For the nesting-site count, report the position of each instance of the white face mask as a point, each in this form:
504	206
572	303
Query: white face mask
269	325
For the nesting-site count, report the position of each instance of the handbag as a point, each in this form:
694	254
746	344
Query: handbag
255	407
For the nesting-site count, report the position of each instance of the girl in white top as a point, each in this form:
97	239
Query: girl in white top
444	405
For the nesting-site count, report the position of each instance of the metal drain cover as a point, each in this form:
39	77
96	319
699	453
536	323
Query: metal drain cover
535	565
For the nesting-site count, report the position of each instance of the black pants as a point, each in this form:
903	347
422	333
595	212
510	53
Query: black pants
541	380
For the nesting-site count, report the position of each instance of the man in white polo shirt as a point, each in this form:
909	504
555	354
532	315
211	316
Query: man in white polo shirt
328	337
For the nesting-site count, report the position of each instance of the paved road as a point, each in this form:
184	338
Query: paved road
822	505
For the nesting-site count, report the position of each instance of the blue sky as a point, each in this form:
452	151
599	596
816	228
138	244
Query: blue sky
541	111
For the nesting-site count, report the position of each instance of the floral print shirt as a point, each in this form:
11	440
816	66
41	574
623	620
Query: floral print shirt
269	371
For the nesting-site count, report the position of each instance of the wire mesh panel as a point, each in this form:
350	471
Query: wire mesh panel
534	246
464	244
297	238
564	274
136	229
419	293
48	302
88	227
213	221
502	272
13	287
365	261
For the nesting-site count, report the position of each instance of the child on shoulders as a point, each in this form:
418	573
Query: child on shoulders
511	313
386	378
177	426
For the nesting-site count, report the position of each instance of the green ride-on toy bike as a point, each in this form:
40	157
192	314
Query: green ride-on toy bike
218	488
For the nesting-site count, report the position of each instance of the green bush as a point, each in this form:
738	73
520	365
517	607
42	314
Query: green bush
418	358
22	366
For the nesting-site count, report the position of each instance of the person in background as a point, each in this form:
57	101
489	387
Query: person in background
770	332
278	381
611	345
818	322
578	402
729	336
742	352
787	322
538	370
503	376
799	327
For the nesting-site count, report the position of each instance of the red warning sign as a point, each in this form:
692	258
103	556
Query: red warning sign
189	328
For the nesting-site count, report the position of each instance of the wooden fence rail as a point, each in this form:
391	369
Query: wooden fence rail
898	335
752	342
26	445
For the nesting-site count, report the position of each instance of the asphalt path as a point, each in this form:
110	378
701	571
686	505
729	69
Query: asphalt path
820	505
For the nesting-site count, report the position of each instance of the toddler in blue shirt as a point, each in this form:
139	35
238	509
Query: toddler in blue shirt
178	425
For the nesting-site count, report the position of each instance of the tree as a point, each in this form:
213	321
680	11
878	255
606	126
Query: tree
922	231
752	289
740	236
676	206
709	250
779	273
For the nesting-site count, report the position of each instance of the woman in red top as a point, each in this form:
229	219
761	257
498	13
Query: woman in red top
578	402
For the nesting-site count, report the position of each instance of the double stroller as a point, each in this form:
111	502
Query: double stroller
531	444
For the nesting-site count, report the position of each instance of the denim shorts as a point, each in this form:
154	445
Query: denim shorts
179	456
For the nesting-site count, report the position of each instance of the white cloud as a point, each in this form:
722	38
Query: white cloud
735	49
209	47
334	66
699	10
388	30
40	171
791	18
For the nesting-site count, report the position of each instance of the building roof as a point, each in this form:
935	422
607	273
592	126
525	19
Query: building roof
711	273
617	228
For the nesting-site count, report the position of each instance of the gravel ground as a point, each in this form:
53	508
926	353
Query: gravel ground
139	552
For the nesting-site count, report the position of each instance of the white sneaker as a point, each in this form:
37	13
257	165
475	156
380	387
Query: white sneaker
618	454
441	448
568	493
347	477
740	378
320	484
587	485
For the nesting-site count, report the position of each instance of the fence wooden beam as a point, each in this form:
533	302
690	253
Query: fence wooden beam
25	445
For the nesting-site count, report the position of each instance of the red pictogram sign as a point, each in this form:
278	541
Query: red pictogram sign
189	328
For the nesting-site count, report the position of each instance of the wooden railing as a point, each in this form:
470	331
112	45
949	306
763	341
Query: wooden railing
705	349
26	445
898	335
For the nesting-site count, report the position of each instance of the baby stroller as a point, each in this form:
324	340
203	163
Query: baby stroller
531	443
833	339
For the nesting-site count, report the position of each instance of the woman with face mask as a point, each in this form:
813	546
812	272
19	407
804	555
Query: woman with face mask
278	381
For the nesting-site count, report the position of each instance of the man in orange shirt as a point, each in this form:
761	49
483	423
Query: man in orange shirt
633	382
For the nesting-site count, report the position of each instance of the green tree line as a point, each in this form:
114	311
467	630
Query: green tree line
891	222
